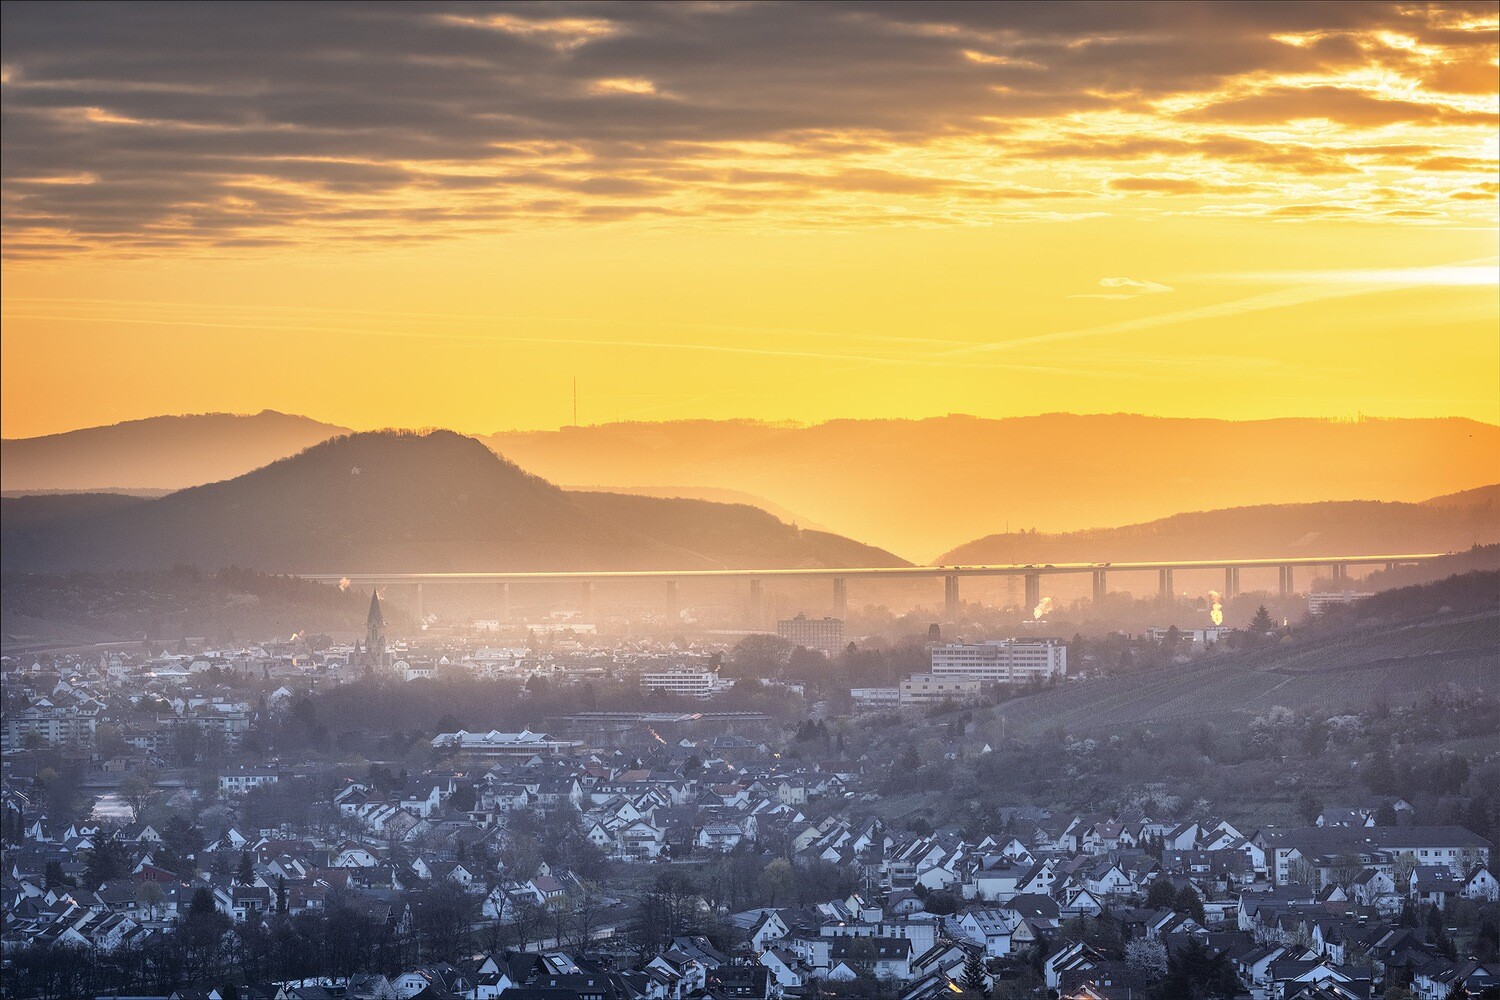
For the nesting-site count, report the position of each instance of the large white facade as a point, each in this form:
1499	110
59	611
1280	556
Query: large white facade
1003	661
685	682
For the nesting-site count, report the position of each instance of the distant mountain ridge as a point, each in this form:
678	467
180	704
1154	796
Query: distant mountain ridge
917	487
403	501
170	452
1441	524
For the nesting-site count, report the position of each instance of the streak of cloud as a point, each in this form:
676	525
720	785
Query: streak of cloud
150	129
1391	280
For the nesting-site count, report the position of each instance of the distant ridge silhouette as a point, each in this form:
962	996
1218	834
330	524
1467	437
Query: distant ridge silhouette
404	501
916	487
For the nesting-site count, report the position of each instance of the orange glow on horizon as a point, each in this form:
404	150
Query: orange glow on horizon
1029	222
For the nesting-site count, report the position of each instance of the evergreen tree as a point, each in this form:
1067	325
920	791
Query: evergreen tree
1444	944
106	861
1189	904
1193	972
973	978
1261	623
53	876
245	873
1380	776
1162	895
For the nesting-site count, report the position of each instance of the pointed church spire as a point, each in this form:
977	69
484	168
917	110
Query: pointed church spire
375	633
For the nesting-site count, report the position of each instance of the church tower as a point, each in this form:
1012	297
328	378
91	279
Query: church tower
375	633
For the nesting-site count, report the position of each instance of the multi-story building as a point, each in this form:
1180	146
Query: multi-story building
1002	661
875	699
685	682
927	689
823	634
1457	849
1198	637
1319	600
53	723
242	779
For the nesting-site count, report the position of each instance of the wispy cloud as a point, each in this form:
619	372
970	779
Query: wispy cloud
213	127
1124	288
1299	294
1476	272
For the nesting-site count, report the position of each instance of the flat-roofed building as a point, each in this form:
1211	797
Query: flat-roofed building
685	682
1319	600
928	689
1002	661
823	634
498	744
875	699
1200	638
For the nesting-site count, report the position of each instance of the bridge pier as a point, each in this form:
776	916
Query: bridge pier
1033	590
586	600
950	598
840	598
1164	589
1286	582
1100	587
505	603
1231	582
757	603
1340	573
418	604
674	609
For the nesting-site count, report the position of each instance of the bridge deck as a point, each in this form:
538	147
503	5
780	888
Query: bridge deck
889	572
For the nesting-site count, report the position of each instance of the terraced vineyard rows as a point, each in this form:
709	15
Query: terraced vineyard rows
1345	673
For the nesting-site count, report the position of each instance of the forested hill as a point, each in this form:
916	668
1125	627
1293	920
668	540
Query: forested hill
1446	524
917	487
398	501
169	452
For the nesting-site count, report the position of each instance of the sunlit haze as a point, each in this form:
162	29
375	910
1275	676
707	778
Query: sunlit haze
443	215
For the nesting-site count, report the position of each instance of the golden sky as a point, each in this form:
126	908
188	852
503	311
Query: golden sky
443	214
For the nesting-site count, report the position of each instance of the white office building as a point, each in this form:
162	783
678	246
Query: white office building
685	682
1002	661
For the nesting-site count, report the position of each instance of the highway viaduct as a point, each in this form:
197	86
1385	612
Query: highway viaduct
1338	567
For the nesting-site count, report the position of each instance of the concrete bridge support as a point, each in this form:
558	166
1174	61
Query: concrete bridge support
1164	589
840	598
1101	589
586	600
674	608
1033	590
505	603
950	598
1340	572
757	603
418	603
1287	584
1231	582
